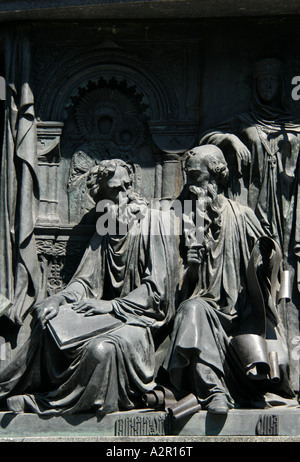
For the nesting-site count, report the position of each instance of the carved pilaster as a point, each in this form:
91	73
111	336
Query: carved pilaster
60	251
48	134
173	139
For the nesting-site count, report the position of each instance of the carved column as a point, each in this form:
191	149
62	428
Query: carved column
173	138
48	134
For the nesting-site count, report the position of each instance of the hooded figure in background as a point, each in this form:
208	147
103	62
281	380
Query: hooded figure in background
262	147
262	150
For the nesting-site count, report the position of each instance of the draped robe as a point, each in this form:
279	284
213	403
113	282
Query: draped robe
270	186
214	309
139	273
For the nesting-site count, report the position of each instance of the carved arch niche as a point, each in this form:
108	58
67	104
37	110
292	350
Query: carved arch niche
109	103
138	101
106	120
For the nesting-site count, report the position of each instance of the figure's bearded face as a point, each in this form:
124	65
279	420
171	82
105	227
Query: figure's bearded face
199	180
197	172
116	185
119	200
206	172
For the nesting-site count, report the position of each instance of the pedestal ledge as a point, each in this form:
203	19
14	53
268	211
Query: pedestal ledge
274	422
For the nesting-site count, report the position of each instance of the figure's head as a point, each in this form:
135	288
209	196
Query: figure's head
110	178
206	165
268	74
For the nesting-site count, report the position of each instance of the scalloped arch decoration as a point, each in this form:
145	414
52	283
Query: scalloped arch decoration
65	80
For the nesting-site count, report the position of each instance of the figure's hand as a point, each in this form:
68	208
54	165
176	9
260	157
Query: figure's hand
92	307
243	155
194	256
48	309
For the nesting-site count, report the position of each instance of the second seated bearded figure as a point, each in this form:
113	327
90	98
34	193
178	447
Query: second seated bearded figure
223	333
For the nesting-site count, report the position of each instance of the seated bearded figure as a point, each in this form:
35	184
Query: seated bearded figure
223	331
132	277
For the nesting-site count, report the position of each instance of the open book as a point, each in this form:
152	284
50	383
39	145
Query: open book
70	328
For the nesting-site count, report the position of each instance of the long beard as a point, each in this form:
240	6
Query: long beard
208	215
127	213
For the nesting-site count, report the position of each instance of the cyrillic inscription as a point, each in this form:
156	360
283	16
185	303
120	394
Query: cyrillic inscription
140	426
268	425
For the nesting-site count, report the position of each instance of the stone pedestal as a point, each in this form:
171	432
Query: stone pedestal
144	425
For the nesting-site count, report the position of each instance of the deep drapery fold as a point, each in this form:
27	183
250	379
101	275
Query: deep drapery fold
20	279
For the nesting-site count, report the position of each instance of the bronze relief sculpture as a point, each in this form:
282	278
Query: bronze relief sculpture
221	301
261	147
219	344
131	276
